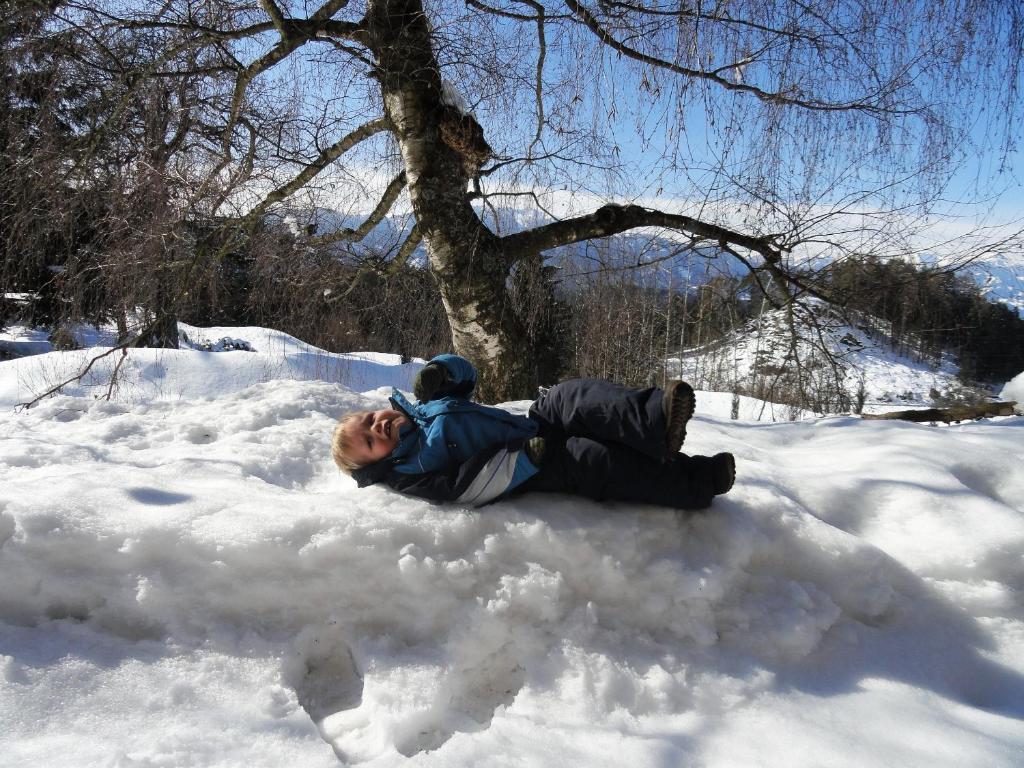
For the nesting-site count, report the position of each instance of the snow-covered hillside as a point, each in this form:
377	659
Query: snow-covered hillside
830	354
188	580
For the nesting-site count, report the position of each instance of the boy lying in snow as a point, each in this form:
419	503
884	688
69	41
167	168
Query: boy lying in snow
584	436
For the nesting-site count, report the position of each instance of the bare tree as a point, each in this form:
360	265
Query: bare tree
785	128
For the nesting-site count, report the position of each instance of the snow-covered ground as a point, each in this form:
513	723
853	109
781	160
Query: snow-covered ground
187	373
188	581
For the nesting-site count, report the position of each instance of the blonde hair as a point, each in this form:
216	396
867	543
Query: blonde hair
341	443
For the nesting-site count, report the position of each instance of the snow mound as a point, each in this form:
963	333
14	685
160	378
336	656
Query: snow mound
211	361
1014	390
192	582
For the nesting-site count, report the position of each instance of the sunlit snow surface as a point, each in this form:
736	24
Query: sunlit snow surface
186	580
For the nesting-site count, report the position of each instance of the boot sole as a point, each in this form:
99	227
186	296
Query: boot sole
682	404
730	475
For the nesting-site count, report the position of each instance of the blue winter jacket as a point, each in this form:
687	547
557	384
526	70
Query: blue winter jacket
454	449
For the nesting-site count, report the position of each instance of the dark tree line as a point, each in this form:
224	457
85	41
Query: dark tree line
930	312
89	215
41	219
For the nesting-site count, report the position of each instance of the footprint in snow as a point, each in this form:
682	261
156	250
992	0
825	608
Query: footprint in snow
328	680
466	702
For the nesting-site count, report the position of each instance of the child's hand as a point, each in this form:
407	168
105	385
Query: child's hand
431	378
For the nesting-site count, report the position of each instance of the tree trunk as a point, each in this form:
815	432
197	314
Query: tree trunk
162	332
946	415
469	260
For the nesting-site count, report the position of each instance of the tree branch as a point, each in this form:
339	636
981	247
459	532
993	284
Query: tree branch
956	413
320	21
122	347
328	9
613	219
407	248
772	97
275	15
701	14
54	390
294	34
507	14
754	273
326	157
542	51
394	189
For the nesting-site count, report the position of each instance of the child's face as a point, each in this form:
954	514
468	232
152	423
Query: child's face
374	435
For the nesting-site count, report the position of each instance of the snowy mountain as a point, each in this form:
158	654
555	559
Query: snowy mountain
677	267
188	580
1000	275
1001	279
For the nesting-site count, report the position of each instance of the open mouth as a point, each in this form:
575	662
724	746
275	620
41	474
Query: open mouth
387	428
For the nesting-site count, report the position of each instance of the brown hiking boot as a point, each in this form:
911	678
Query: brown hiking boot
723	472
677	403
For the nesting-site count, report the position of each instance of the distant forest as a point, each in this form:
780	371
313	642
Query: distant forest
931	312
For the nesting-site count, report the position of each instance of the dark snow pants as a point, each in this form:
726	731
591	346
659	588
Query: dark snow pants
606	441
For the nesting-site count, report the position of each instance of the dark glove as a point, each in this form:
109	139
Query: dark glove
372	473
535	450
429	381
